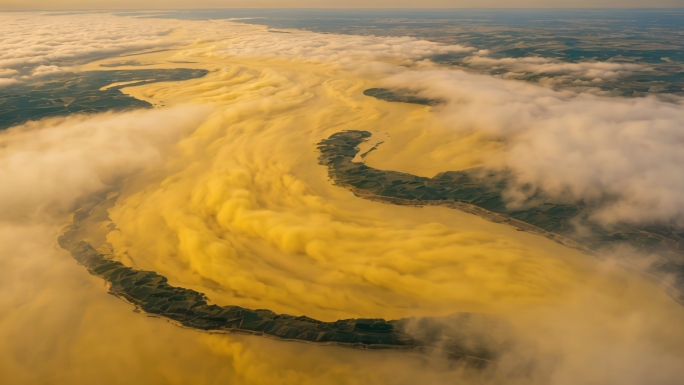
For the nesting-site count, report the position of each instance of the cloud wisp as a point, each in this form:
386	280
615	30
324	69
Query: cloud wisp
35	45
228	199
618	156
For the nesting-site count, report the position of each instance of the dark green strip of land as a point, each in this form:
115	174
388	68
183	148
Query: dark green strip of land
400	96
68	93
461	336
481	193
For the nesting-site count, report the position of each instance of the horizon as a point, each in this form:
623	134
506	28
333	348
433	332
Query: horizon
345	8
152	5
375	8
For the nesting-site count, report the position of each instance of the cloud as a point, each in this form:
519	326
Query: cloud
7	72
7	82
617	155
231	201
50	70
252	219
32	43
344	50
540	66
6	77
72	157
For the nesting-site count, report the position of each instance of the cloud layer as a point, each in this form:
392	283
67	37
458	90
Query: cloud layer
230	200
619	156
37	45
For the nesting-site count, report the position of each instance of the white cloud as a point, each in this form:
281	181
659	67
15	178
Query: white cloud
7	82
540	66
256	41
7	72
51	163
43	42
572	146
50	70
620	155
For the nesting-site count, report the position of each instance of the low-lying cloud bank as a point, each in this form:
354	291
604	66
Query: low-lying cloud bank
230	200
621	157
76	156
32	44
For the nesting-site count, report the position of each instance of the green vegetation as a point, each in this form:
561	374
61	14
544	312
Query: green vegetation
481	193
401	96
64	94
462	336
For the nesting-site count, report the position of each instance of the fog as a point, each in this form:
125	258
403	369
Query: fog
222	193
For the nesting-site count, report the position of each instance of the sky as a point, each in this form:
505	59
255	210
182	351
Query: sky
158	4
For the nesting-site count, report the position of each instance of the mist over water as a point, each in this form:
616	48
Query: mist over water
223	193
625	52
